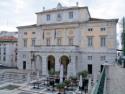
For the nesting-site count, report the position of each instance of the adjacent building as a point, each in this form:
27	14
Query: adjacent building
8	48
67	36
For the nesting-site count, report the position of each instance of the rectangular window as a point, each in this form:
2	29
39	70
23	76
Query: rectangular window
58	41
33	32
103	41
25	33
70	15
102	58
4	58
25	42
48	17
59	17
70	41
89	57
0	50
4	50
48	41
33	42
90	29
103	29
90	41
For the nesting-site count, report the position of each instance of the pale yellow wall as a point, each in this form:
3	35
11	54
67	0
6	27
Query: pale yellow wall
97	33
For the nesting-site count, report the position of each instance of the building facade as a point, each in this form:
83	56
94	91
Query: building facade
67	36
8	48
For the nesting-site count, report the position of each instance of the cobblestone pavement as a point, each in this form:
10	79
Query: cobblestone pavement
116	80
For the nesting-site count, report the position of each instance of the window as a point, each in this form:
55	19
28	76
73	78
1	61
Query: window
102	58
0	51
25	33
103	41
90	41
102	29
70	41
48	41
89	57
90	29
25	42
48	17
24	56
70	15
4	51
33	42
33	32
58	41
4	58
59	17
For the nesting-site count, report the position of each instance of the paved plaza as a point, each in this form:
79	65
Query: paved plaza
13	81
116	80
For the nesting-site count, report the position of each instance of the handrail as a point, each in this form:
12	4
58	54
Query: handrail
99	88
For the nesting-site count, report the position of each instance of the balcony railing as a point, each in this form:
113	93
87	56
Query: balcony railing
59	48
99	88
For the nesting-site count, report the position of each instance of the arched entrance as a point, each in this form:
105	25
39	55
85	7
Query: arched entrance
65	62
51	63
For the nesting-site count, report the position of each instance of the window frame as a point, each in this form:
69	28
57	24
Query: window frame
48	17
103	41
90	41
71	15
71	41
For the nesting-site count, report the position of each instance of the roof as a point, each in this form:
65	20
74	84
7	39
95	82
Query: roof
8	39
98	19
62	9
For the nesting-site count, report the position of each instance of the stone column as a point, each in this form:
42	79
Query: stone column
44	65
73	65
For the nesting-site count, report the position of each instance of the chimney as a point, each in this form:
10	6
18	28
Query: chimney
77	4
43	8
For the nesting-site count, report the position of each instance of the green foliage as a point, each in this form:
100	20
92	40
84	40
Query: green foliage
73	77
52	72
60	86
67	82
57	73
84	73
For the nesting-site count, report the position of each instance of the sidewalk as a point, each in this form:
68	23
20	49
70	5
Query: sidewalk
116	80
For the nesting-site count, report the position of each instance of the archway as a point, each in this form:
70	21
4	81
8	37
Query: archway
51	63
65	62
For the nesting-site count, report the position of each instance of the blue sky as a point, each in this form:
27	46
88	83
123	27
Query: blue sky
14	13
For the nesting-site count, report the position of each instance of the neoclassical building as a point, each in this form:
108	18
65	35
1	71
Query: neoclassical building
67	36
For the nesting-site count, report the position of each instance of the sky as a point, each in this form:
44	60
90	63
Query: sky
15	13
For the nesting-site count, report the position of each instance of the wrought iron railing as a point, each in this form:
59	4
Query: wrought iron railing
99	88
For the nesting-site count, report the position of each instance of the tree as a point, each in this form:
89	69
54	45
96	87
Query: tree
123	35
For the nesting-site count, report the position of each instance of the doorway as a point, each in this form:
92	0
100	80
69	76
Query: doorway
24	65
90	68
51	63
102	66
65	62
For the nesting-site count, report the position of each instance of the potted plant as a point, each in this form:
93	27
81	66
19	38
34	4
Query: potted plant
51	72
67	82
84	73
74	80
60	87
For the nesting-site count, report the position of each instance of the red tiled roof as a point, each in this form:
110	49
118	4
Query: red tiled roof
8	38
